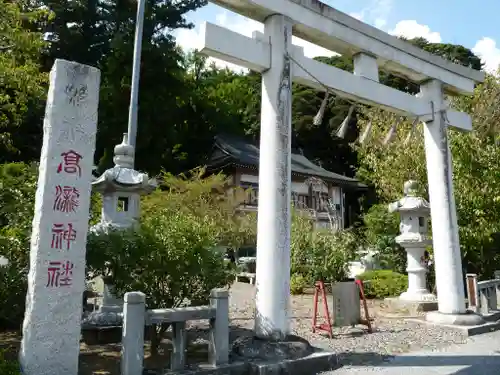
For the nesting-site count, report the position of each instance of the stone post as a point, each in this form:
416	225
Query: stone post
447	256
134	319
273	229
56	279
219	328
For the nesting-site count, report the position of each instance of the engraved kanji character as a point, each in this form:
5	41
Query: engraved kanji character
61	234
70	163
66	277
66	199
53	273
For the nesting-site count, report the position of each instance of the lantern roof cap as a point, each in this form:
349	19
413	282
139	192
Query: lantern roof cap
123	177
410	202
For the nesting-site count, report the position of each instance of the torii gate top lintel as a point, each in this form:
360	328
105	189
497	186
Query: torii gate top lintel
327	27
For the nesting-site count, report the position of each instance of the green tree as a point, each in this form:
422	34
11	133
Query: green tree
22	87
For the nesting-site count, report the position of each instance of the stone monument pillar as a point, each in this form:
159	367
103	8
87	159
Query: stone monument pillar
414	212
121	188
56	278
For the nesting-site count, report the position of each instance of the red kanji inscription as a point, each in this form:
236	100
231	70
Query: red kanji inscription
70	163
59	274
66	199
62	235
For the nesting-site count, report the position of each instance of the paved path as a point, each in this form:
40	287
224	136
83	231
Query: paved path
480	355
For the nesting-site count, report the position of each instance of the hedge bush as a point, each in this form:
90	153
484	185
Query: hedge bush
297	284
383	283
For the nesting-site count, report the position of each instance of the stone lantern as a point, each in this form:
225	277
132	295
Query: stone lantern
414	212
121	188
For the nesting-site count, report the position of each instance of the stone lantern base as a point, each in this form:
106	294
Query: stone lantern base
409	308
418	296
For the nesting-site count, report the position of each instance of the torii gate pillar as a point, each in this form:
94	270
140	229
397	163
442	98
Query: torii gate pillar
447	256
273	235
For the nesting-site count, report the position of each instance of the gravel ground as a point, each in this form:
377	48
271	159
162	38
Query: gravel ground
354	346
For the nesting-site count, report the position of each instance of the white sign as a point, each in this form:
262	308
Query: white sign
51	330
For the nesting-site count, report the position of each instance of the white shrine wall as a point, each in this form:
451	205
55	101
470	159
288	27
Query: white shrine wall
334	192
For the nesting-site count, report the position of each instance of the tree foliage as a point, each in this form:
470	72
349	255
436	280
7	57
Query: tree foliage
319	254
22	84
17	196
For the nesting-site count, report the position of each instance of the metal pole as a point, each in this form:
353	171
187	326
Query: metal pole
136	70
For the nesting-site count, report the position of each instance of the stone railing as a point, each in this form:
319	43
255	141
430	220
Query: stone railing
134	312
483	296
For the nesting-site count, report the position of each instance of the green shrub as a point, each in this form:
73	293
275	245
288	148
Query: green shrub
320	254
297	284
383	283
380	229
8	367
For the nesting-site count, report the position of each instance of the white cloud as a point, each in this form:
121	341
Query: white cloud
489	52
191	39
375	13
412	29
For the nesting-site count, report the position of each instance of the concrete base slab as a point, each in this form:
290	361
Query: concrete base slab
467	319
492	316
236	368
312	364
412	307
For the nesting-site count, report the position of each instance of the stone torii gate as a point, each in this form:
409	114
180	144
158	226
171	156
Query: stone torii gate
273	55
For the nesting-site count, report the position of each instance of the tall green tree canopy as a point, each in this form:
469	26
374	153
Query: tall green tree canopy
22	84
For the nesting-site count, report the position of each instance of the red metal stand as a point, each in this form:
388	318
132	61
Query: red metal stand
367	320
327	325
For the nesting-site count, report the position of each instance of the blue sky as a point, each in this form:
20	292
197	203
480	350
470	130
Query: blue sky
474	24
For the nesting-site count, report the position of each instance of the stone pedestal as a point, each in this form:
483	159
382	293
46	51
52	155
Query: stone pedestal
109	302
417	271
291	355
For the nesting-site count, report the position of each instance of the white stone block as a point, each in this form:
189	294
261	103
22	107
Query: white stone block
56	280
